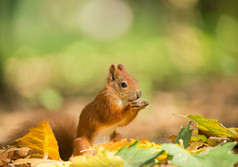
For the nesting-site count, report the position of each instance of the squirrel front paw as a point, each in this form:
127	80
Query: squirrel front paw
139	104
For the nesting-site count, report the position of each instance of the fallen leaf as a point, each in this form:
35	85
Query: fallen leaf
172	138
198	137
5	156
102	158
9	154
214	141
145	143
219	156
114	146
2	163
135	156
185	135
196	147
37	162
41	140
211	127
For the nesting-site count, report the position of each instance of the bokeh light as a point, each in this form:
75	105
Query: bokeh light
105	19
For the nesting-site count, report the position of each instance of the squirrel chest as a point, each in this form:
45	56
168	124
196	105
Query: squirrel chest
103	134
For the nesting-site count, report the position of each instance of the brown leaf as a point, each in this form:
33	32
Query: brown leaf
214	141
5	156
2	163
41	162
172	138
9	154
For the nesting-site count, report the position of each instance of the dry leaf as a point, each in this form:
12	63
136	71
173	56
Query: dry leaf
195	147
214	141
41	162
113	146
211	127
102	158
5	157
2	163
9	154
172	138
41	140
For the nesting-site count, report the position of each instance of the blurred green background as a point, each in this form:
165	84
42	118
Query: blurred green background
54	50
55	55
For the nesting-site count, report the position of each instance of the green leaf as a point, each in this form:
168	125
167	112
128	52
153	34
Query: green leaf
219	156
212	127
134	156
102	158
198	137
185	134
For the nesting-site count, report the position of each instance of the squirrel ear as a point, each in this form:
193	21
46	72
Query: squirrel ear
121	67
112	72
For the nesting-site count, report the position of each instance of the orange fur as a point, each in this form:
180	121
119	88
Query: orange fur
115	136
114	106
81	146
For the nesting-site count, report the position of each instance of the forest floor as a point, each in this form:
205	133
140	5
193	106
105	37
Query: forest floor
216	99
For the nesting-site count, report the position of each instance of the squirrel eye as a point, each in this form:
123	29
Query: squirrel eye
124	84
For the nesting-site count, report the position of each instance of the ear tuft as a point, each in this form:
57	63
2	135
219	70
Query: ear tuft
112	71
121	67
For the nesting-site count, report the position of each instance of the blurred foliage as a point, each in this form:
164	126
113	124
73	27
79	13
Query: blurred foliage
50	50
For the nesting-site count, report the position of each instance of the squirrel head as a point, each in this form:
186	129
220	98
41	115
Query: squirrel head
125	86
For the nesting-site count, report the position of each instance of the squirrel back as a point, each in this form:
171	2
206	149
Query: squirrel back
64	127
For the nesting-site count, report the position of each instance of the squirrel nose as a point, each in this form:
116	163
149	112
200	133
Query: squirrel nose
138	93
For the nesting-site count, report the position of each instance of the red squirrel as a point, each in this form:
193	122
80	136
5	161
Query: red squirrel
114	106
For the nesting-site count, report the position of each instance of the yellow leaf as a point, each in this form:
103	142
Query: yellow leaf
198	137
41	140
195	147
145	143
102	158
113	146
163	157
211	127
236	133
214	141
37	162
